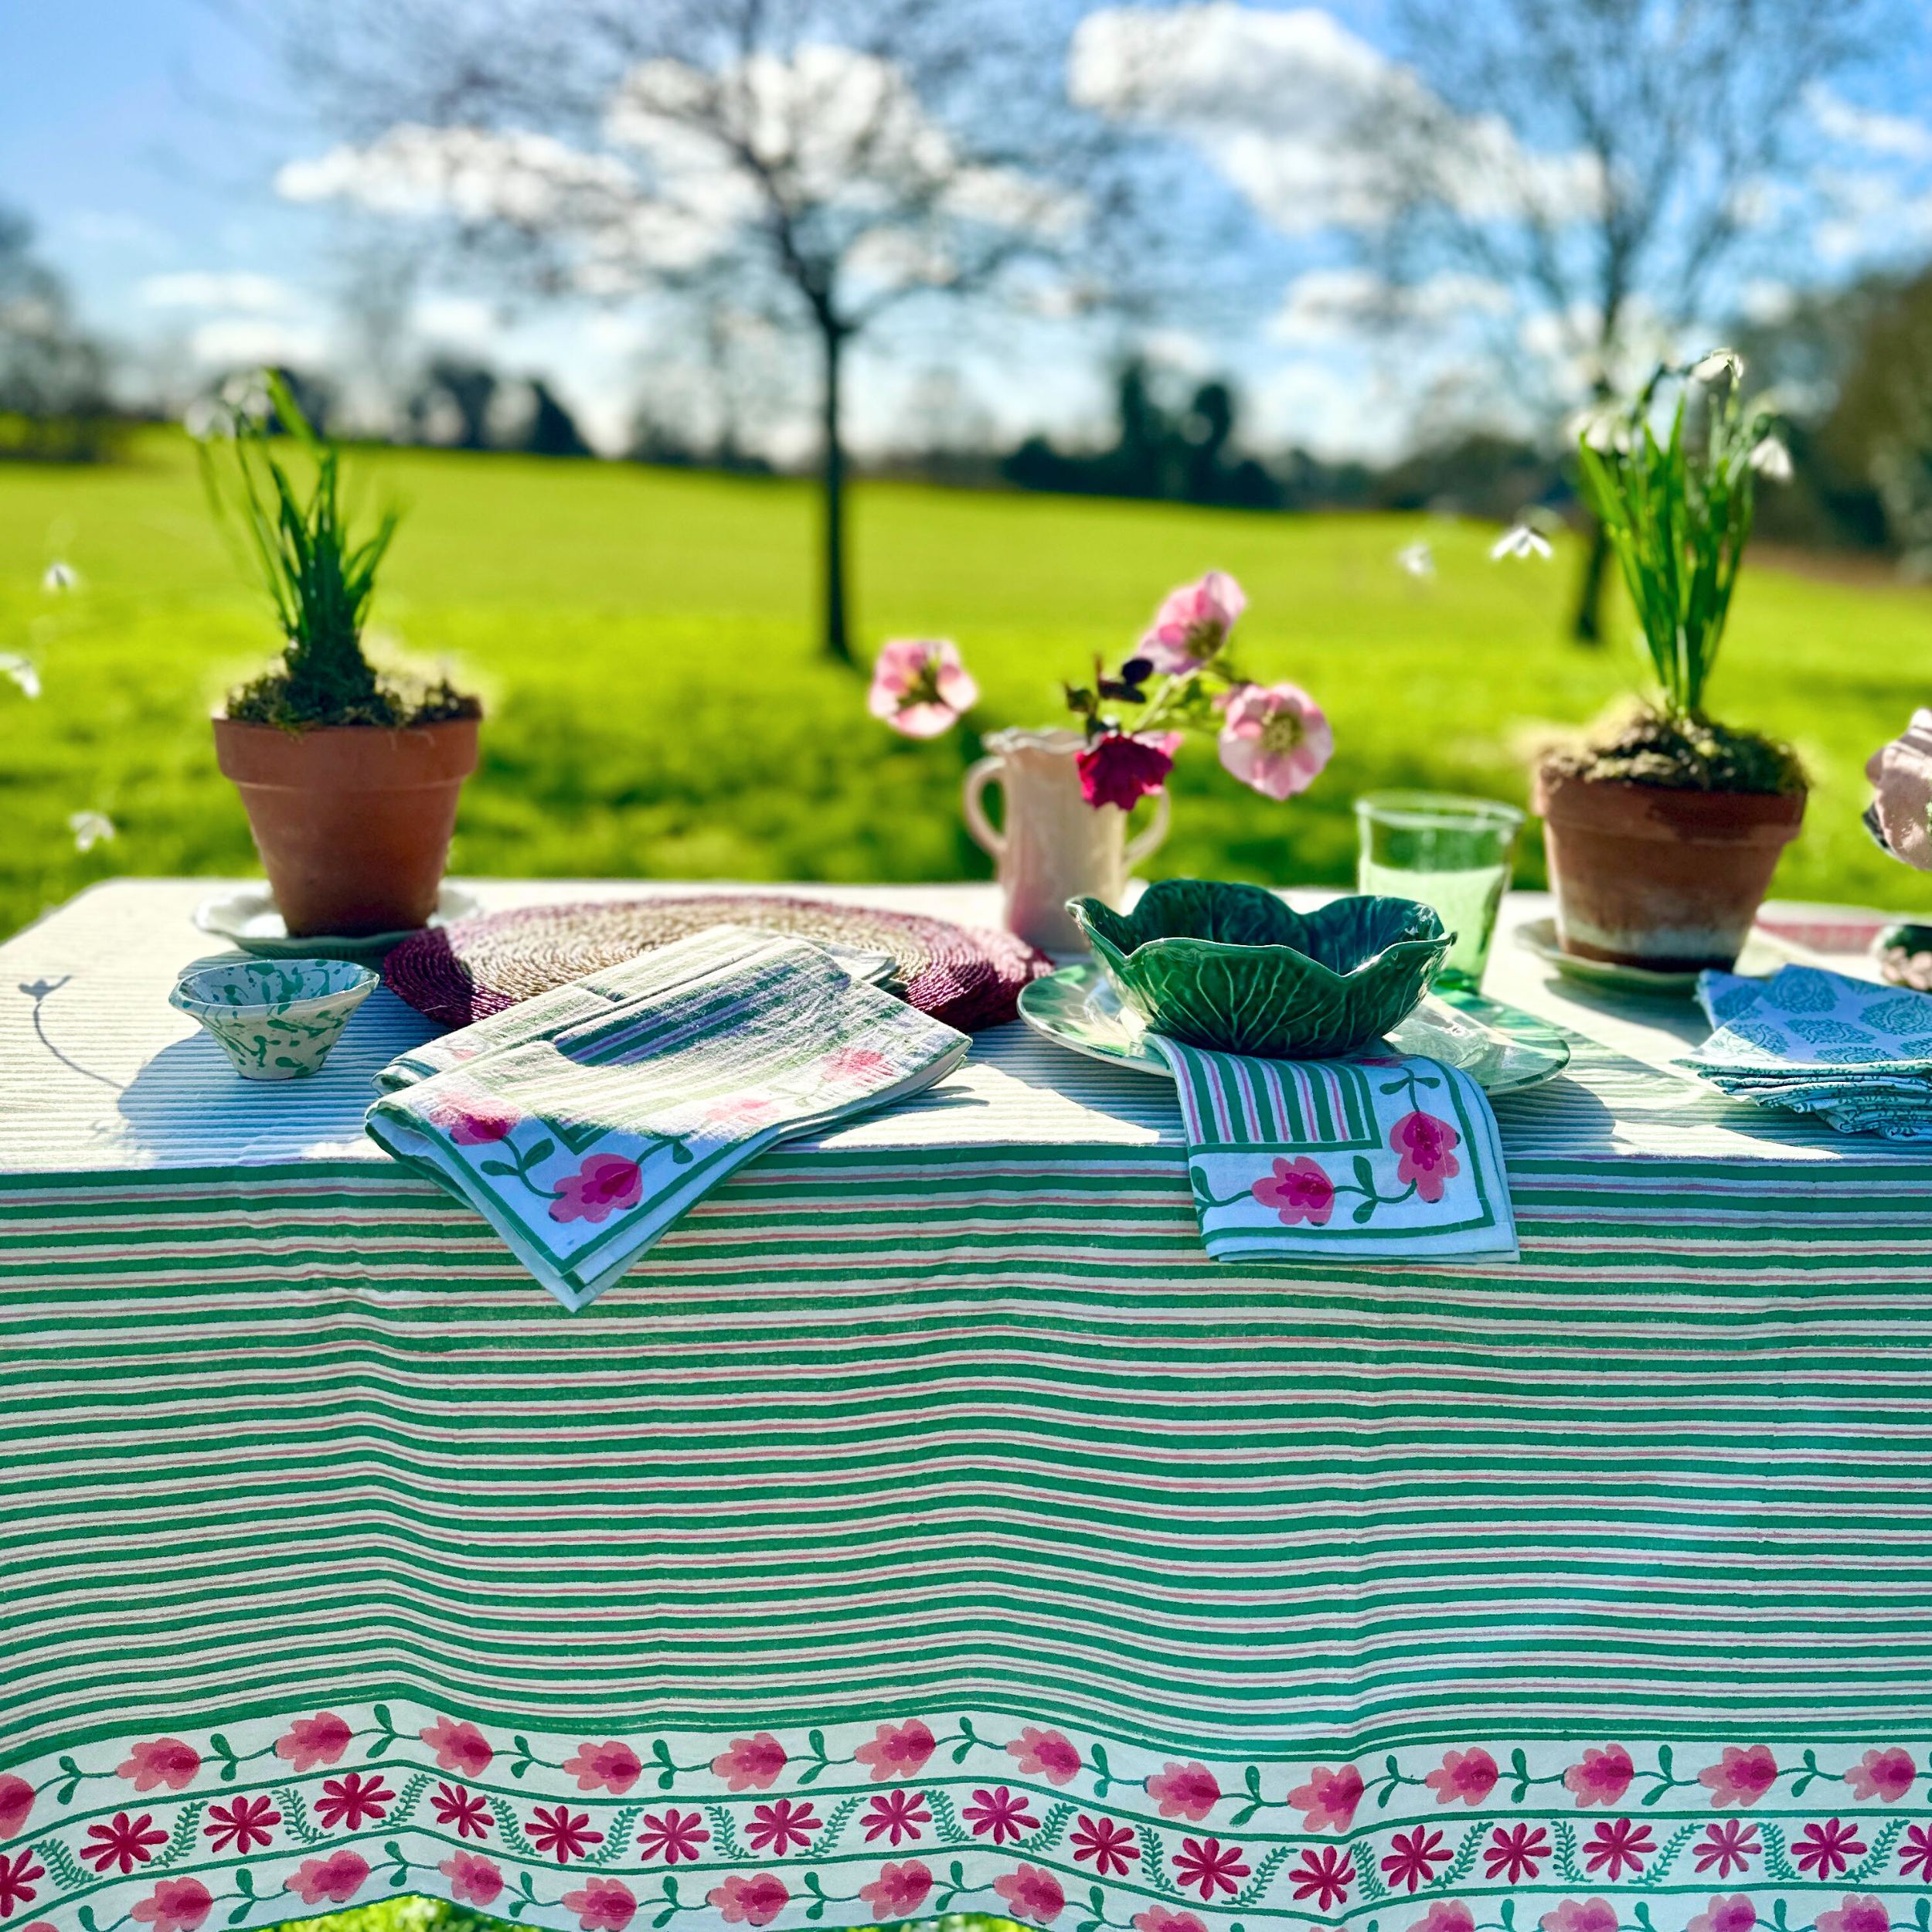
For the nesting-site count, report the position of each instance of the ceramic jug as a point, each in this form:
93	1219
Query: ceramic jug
1055	846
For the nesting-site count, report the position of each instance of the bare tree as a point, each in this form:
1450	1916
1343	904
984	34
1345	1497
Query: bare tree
1606	162
828	161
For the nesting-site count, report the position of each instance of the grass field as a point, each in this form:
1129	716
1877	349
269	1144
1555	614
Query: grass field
642	638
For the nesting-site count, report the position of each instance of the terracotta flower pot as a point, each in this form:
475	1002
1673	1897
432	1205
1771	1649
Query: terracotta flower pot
352	821
1648	876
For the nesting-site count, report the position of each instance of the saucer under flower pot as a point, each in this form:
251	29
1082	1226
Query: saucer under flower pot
1662	877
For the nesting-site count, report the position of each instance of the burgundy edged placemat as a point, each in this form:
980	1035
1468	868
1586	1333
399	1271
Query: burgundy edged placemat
969	977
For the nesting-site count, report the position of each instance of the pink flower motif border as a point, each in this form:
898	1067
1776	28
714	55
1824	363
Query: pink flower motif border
920	1815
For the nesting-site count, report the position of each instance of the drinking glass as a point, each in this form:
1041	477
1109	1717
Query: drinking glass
1454	853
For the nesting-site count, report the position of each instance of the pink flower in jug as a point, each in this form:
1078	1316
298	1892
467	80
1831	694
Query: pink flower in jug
920	687
1275	738
1193	623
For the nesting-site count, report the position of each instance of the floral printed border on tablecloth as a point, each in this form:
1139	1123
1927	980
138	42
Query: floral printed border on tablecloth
922	1814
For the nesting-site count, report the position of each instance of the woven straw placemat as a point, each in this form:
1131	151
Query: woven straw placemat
970	977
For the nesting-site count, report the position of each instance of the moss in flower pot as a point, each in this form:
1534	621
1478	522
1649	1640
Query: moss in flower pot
350	779
1233	967
1662	835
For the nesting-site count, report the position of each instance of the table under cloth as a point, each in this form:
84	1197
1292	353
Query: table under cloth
927	1525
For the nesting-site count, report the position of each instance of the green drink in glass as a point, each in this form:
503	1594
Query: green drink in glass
1454	853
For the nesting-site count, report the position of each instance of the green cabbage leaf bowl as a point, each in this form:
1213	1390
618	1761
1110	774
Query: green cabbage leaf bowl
1232	967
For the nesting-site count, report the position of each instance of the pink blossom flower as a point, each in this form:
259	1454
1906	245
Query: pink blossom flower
1468	1775
1728	1842
1327	1802
898	1892
999	1813
474	1879
1157	1918
1045	1754
1185	1791
348	1800
752	1763
1298	1190
458	1747
122	1841
1033	1893
756	1900
1275	738
920	687
16	1801
1823	1851
174	1905
564	1834
1735	1914
1739	1776
1414	1857
1882	1774
897	1750
457	1805
1193	623
165	1760
604	1181
310	1741
610	1766
1446	1915
672	1835
774	1827
1324	1875
1853	1915
1118	768
1424	1143
857	1067
241	1825
895	1814
1110	1847
603	1905
1580	1915
337	1878
1602	1777
471	1119
1616	1842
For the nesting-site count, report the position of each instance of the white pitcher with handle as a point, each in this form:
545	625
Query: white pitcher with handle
1055	846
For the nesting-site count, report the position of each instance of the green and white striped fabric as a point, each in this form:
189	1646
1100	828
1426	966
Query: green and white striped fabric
928	1524
582	1132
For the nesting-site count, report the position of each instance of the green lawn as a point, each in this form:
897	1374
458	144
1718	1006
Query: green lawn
642	639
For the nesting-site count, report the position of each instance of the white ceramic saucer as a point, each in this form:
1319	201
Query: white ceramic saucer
249	918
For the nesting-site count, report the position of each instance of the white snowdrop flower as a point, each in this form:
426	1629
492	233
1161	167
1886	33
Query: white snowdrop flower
203	419
1521	541
1720	362
60	577
1772	460
23	672
1417	559
90	829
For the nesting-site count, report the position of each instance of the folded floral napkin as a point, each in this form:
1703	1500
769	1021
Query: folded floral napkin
1857	1054
1372	1156
582	1124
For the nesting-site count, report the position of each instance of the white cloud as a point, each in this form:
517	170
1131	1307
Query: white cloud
1342	304
1882	134
234	289
235	341
1287	107
457	321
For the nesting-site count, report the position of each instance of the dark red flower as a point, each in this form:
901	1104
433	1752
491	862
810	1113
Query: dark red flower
239	1826
557	1831
1116	769
1516	1855
1915	1854
1324	1875
124	1842
999	1814
347	1800
1413	1858
1209	1866
1110	1846
1825	1850
1614	1844
15	1877
773	1826
1729	1845
677	1834
897	1815
458	1805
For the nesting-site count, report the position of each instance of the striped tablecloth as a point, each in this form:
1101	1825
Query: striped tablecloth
928	1525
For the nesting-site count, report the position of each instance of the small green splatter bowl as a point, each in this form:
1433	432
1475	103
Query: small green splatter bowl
275	1018
1230	966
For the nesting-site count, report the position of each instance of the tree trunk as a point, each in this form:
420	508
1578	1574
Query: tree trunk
838	642
1587	626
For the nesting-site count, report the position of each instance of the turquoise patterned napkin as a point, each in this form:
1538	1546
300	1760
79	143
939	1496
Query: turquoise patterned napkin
1375	1157
582	1124
1857	1055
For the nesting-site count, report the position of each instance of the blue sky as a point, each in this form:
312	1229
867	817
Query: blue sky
144	137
